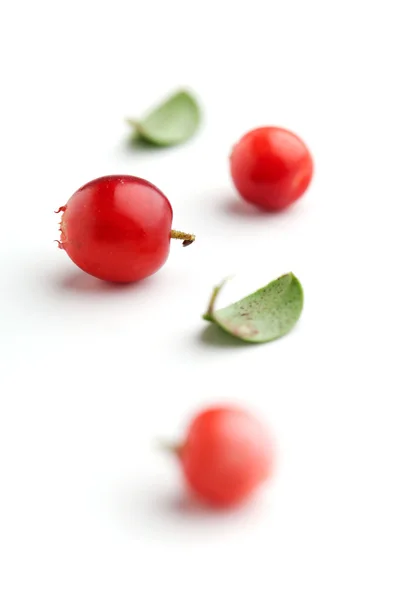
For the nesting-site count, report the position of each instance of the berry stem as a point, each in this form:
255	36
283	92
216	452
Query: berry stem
170	447
188	238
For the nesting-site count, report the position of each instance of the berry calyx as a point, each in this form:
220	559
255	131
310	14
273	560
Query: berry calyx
118	228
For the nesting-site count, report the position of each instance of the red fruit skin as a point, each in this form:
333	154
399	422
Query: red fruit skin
271	167
117	228
226	457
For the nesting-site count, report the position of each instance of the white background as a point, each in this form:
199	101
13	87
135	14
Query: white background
92	376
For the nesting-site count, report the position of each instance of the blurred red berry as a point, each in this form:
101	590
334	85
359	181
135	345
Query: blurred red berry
227	455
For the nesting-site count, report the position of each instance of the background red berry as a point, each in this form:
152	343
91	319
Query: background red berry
271	167
226	456
118	228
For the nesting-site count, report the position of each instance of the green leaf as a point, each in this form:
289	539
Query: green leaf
266	315
172	122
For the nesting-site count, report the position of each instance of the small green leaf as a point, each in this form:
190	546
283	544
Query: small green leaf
172	122
266	315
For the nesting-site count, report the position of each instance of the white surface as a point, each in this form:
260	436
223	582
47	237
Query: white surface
91	375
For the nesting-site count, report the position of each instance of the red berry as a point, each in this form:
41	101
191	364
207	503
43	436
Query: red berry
118	228
226	456
271	167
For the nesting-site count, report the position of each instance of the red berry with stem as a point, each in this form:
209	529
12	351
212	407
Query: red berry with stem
226	456
271	167
118	228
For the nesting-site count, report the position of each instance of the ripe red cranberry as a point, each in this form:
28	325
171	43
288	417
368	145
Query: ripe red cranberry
226	456
118	228
271	167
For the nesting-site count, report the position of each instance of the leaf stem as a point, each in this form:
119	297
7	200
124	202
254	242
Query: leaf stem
133	123
208	315
188	238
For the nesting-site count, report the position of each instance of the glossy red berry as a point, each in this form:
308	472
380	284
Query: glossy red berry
271	167
118	228
227	455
